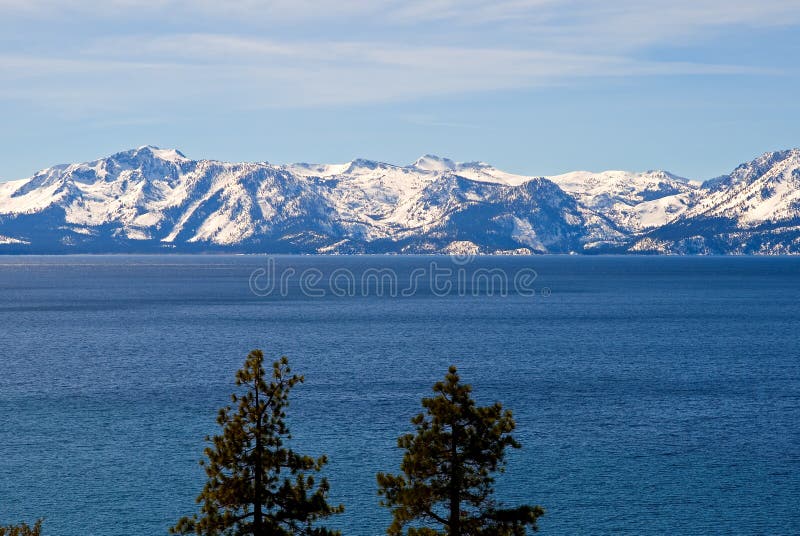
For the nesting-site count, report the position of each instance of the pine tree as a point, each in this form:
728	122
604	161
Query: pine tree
447	481
23	529
256	485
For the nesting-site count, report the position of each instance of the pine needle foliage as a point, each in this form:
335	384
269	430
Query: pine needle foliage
256	485
23	529
448	469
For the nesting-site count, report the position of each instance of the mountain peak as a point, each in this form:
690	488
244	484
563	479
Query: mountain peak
151	151
748	172
146	197
364	163
431	162
171	155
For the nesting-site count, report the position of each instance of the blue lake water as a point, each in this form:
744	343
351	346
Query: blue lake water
652	395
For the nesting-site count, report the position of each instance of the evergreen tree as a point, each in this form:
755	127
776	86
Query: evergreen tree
256	485
23	529
447	481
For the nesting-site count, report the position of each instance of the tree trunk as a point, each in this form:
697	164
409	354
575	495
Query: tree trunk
258	522
455	486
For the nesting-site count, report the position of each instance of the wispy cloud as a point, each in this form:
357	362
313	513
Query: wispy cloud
657	19
428	120
253	58
259	73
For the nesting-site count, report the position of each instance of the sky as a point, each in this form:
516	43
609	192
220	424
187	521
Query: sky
536	87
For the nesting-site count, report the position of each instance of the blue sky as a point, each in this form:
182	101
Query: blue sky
532	86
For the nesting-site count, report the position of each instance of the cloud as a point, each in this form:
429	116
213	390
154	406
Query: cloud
428	120
183	70
666	16
97	57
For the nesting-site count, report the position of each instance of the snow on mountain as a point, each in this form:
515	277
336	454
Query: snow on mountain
5	240
431	162
477	171
151	199
371	198
754	209
414	207
149	194
634	201
766	189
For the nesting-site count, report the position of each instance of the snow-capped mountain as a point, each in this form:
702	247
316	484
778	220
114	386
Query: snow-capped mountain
634	201
753	210
151	199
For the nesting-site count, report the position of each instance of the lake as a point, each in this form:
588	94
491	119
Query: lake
653	395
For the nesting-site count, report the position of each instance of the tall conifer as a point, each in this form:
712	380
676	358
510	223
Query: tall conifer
256	485
447	481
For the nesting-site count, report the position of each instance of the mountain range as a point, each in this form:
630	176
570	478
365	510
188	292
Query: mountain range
157	200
